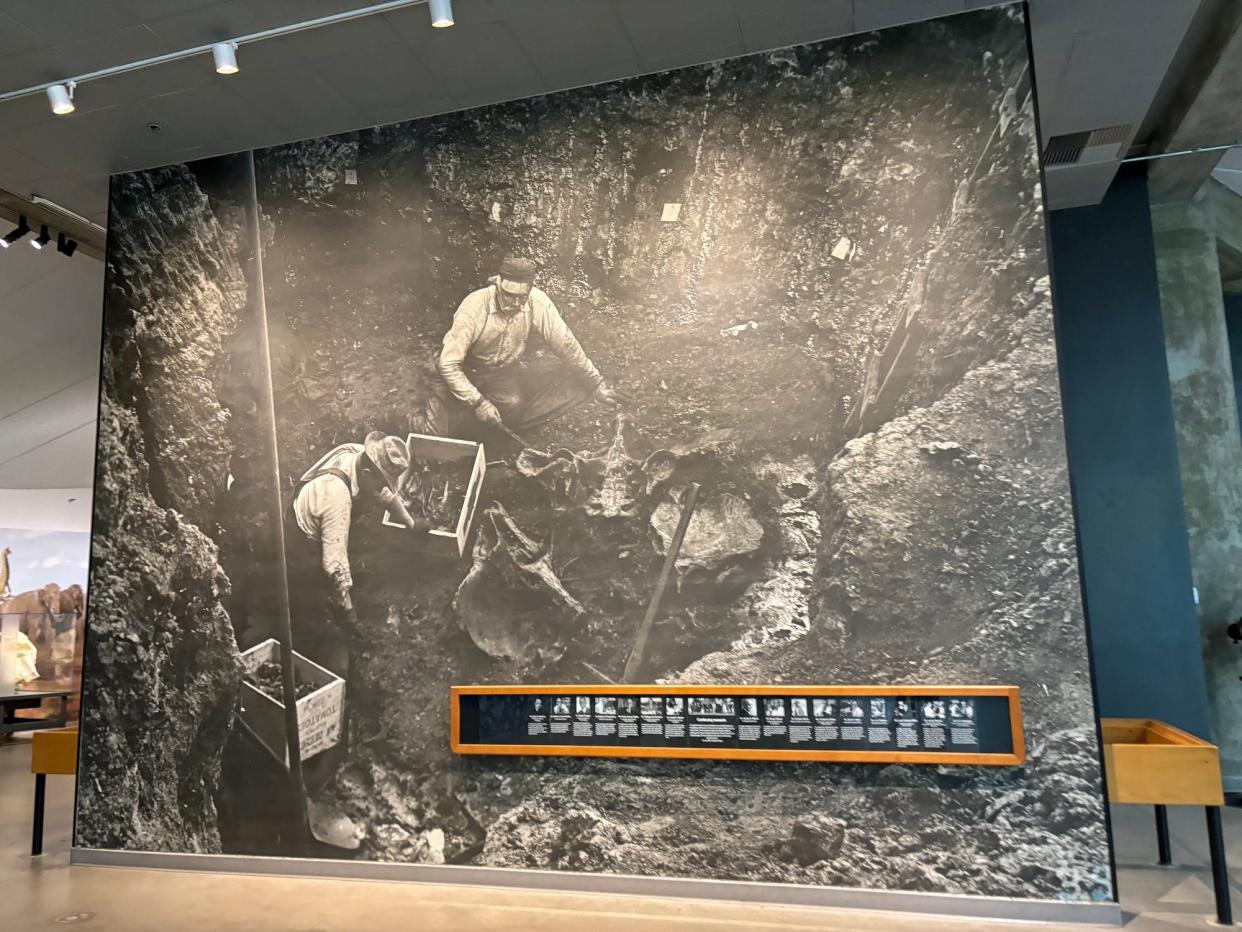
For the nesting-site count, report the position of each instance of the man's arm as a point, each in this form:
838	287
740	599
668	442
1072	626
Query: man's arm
561	340
467	327
334	537
392	501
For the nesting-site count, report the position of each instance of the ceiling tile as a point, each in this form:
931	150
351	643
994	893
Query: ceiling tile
141	10
391	80
78	56
185	115
206	24
14	37
661	29
470	60
370	35
66	20
559	44
770	24
877	14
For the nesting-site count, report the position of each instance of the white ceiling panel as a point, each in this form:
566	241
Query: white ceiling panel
877	14
557	44
769	24
661	31
63	463
14	37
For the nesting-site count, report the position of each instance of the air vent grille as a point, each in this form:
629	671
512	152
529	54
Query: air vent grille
1095	145
1110	135
1066	149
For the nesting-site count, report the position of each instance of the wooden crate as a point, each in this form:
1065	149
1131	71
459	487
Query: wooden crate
321	714
426	447
1146	761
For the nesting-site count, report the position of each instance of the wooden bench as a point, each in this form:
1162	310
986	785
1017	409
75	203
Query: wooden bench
1153	763
50	752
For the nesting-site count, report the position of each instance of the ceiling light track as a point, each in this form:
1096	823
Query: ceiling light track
66	212
224	54
65	245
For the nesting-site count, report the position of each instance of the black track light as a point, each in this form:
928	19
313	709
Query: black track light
22	229
65	245
42	239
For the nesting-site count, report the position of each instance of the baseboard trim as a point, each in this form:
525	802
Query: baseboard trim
774	894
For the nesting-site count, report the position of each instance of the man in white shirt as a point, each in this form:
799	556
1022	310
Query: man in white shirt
323	506
488	366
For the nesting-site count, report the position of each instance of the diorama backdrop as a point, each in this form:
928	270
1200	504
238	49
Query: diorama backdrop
816	276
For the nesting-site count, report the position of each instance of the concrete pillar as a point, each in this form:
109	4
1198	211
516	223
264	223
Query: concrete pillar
1205	417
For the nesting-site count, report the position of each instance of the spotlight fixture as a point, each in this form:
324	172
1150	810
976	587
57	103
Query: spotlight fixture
61	97
441	13
13	236
225	56
65	245
42	239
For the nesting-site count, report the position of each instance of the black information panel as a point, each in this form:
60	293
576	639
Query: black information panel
935	725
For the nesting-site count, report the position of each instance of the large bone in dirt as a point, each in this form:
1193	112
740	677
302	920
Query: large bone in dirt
613	498
606	483
721	530
511	597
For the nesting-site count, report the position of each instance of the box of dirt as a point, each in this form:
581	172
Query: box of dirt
320	701
442	486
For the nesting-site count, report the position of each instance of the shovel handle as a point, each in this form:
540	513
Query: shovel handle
670	560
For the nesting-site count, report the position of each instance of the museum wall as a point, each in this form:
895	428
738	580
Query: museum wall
1135	561
816	282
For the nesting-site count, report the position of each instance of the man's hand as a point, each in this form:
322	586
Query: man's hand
342	598
486	412
605	395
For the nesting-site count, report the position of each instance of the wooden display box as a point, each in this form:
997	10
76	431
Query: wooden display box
426	447
321	714
1146	761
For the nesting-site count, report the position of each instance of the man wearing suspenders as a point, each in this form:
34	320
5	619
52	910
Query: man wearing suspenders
323	506
487	367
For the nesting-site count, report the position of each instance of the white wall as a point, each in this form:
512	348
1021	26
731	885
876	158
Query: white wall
50	314
46	509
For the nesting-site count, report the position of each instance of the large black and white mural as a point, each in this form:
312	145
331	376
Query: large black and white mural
810	282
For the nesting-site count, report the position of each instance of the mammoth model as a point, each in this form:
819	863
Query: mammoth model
45	613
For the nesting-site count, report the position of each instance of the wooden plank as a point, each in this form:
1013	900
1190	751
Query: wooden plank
682	689
1123	730
54	752
1163	774
765	754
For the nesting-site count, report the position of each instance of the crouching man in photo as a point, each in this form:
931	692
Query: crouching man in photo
324	505
489	370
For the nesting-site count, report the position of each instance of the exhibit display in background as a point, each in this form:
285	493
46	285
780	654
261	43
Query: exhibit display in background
43	608
781	408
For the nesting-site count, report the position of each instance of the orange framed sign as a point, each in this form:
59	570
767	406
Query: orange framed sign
969	725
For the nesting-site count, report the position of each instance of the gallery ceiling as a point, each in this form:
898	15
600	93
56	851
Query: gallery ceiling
1098	63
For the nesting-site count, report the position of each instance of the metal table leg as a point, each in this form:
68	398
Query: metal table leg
1162	836
1220	872
36	835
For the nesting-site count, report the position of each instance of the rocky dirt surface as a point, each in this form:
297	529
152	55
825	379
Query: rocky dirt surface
162	662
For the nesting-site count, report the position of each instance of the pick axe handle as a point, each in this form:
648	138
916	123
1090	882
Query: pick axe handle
670	560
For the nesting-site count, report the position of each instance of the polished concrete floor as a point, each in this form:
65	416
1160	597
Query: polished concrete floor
45	893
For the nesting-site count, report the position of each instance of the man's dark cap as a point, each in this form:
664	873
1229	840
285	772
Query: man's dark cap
518	270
